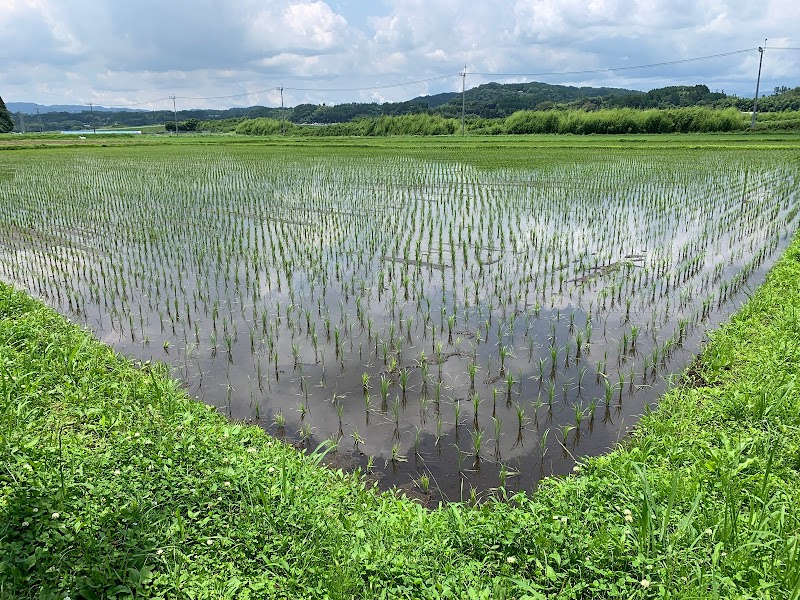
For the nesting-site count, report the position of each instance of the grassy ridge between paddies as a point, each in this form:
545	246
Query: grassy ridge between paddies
488	151
113	483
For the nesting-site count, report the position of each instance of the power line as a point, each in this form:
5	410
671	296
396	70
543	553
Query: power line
453	75
127	104
375	87
628	68
225	97
461	74
302	89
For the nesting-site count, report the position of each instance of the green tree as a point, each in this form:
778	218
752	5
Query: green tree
6	124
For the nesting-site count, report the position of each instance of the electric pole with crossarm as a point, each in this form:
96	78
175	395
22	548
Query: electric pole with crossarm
758	83
463	96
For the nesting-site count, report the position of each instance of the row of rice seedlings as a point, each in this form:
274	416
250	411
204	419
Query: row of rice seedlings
359	266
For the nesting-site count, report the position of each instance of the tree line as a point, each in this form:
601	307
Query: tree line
6	123
488	101
561	121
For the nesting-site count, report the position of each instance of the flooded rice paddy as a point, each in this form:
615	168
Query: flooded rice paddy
452	325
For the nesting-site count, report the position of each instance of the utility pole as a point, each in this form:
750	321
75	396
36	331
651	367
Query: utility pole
463	96
758	83
21	121
283	129
175	113
91	113
41	129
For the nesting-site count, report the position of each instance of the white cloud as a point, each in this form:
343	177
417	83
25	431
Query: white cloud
32	32
303	28
58	51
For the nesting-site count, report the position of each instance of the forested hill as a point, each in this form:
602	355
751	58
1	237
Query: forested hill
491	100
30	108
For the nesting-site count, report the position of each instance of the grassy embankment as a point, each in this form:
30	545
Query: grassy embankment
113	483
448	146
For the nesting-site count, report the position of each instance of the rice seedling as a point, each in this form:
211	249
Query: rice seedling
541	370
357	439
581	375
406	249
504	352
385	381
609	391
521	420
578	410
417	441
551	393
565	431
510	381
477	443
424	483
634	337
280	422
404	377
472	370
305	432
498	432
397	411
365	383
476	403
456	414
543	445
302	408
396	456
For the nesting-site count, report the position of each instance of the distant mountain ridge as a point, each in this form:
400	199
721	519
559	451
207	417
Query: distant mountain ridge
497	100
29	108
486	101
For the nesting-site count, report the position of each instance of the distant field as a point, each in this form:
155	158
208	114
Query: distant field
519	142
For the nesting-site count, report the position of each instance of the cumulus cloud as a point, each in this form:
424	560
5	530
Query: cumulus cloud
308	28
59	51
32	33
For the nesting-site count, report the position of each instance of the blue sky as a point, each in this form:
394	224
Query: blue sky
117	52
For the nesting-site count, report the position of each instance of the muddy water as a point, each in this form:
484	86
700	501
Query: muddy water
475	329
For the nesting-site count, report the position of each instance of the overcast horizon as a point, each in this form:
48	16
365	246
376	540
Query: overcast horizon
216	55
